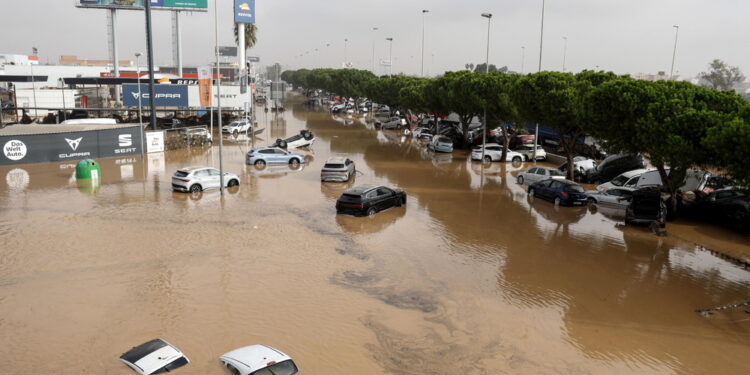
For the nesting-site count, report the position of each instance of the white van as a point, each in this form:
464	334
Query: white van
694	180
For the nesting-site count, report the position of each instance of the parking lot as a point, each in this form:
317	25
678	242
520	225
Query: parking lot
470	277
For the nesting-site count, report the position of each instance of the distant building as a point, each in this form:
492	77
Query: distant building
660	76
9	59
75	61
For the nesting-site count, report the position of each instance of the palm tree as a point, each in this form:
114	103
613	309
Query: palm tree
250	37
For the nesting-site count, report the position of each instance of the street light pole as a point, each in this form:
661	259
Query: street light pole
523	57
674	52
346	58
390	56
150	52
138	73
33	80
424	11
486	71
218	100
374	29
541	43
565	51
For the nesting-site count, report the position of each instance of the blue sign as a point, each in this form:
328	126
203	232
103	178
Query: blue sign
244	11
166	95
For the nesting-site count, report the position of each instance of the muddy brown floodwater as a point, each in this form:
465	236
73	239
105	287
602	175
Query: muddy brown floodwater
471	277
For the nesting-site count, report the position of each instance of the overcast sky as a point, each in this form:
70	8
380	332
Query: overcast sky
624	36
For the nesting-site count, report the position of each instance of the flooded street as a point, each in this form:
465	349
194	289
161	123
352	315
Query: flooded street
470	277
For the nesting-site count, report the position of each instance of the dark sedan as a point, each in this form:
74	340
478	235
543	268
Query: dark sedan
728	206
369	199
562	192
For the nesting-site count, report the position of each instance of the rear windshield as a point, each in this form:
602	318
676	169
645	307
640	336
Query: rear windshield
333	166
573	189
282	368
181	174
352	196
555	172
445	139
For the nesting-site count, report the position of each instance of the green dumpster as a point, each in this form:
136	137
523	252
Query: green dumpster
88	170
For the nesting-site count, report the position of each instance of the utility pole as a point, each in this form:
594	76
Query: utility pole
390	58
486	71
218	94
565	51
374	29
541	43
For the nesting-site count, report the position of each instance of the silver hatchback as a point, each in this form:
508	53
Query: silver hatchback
337	169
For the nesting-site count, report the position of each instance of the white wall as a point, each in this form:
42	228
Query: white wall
230	97
45	99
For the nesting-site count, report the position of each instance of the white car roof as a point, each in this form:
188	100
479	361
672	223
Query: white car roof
191	169
634	173
336	159
255	357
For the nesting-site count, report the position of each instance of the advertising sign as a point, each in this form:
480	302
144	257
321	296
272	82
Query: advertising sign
154	141
24	149
188	5
228	51
244	11
204	85
166	95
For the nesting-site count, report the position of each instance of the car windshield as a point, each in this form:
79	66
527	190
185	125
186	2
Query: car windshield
579	158
235	123
574	189
282	368
333	166
619	180
445	139
555	172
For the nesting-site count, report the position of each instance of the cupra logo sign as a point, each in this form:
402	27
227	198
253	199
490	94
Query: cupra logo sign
74	143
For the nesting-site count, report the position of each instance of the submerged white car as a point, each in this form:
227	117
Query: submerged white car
494	152
258	360
237	127
154	357
197	179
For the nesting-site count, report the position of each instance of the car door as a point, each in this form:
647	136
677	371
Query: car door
554	187
280	156
372	198
530	176
386	198
213	178
541	174
542	189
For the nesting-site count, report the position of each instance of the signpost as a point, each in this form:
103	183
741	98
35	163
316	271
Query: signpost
244	11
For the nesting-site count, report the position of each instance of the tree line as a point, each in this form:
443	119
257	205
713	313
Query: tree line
677	125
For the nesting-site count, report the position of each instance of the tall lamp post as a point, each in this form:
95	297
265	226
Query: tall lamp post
138	73
424	11
35	51
488	16
346	57
541	44
565	51
374	29
218	99
390	56
674	51
523	57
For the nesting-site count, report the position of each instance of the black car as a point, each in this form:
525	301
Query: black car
728	206
646	207
562	192
612	166
369	199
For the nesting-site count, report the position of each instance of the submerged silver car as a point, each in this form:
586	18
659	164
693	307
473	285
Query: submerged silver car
337	169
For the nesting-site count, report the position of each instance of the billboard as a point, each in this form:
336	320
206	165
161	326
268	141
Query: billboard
166	95
205	75
228	51
188	5
244	11
23	149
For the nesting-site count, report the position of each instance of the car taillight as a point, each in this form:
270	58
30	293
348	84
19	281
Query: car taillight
182	179
565	195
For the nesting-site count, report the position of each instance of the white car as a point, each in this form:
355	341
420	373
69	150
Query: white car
258	360
628	179
538	174
581	164
237	127
528	152
337	169
154	357
197	179
616	197
494	152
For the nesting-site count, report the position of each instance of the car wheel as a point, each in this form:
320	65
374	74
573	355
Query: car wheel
232	183
558	201
517	159
196	188
371	211
526	157
403	201
236	133
294	162
531	193
260	163
488	159
592	201
520	180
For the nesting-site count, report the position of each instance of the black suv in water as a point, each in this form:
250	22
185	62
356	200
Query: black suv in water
613	166
369	199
